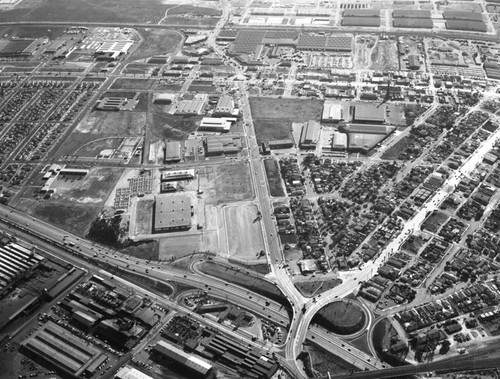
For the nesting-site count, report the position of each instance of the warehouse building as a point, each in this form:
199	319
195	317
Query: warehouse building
369	113
212	124
225	106
128	372
223	145
164	98
332	112
15	263
309	136
286	143
172	212
167	176
172	152
64	350
194	106
339	141
196	365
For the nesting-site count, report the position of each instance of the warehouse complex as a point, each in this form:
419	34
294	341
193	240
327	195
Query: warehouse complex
15	262
310	135
172	213
197	366
64	350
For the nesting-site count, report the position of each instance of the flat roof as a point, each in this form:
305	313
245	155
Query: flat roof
62	348
128	372
369	112
172	212
332	111
180	356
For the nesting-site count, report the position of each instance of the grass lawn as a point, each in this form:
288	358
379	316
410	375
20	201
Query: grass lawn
274	177
312	288
156	42
243	279
325	362
341	317
143	250
273	117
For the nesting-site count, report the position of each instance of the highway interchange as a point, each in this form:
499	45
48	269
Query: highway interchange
298	317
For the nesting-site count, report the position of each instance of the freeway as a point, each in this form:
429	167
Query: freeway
254	302
347	352
487	357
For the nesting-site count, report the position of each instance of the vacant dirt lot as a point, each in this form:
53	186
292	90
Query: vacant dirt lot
244	232
384	56
76	203
99	124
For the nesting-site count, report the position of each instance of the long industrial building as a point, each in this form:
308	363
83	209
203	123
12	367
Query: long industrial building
309	136
196	365
15	262
212	124
64	350
172	212
369	113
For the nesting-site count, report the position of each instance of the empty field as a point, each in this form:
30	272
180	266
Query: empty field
244	231
101	124
233	183
144	217
273	117
93	11
137	84
156	42
434	222
179	246
384	56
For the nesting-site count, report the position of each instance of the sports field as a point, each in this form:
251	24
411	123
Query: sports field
244	231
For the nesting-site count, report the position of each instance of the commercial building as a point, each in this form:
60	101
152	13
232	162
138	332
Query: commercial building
172	212
112	50
225	106
310	135
212	124
196	365
280	144
167	176
223	145
115	104
128	372
172	152
332	112
369	113
339	141
64	350
413	62
164	98
194	106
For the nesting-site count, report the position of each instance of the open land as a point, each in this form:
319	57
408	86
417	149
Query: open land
273	117
156	42
244	231
94	11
